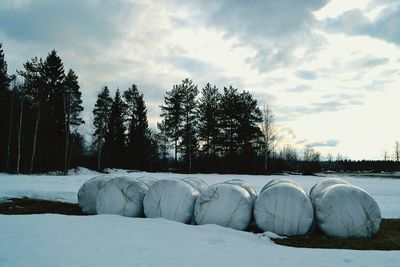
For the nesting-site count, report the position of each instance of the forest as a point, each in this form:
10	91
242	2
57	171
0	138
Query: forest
201	129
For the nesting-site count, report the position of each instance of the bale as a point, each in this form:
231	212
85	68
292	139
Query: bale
170	199
149	181
322	185
87	193
122	196
197	183
344	210
279	181
224	204
284	208
249	188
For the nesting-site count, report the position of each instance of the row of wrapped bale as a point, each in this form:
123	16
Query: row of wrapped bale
344	210
283	207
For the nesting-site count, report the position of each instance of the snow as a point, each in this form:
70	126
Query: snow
111	240
385	191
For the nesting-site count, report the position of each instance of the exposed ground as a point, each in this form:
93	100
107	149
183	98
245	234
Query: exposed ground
388	237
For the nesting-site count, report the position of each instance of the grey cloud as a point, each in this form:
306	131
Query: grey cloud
307	75
386	26
327	143
300	89
334	102
369	62
273	28
67	21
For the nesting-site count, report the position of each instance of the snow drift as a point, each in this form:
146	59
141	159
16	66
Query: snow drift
283	207
344	210
87	193
224	204
122	196
170	199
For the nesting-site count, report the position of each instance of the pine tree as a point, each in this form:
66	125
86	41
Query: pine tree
139	143
189	129
172	114
72	108
114	144
249	133
101	112
53	126
229	123
33	87
162	142
5	109
208	116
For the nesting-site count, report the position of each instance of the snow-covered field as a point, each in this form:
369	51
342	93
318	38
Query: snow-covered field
56	240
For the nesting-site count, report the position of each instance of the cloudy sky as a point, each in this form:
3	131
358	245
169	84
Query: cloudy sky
329	69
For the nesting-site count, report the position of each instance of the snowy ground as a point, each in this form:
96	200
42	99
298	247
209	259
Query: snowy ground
56	240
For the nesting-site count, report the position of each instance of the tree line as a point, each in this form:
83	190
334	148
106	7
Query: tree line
201	129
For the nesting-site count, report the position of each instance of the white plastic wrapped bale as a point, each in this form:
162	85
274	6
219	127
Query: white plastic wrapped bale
171	199
279	181
228	205
344	210
197	183
122	196
149	181
249	188
87	193
284	208
323	184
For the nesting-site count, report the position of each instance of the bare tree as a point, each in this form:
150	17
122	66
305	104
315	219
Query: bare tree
269	134
385	155
397	151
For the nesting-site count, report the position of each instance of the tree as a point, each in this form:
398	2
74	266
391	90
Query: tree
249	133
114	142
5	109
33	85
72	103
139	143
53	127
229	123
189	131
101	114
172	115
208	117
162	142
269	134
397	151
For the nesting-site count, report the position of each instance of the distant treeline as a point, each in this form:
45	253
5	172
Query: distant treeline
202	130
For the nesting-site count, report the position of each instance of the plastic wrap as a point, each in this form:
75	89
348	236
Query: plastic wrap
197	183
284	208
87	193
122	196
224	204
249	188
170	199
322	185
344	210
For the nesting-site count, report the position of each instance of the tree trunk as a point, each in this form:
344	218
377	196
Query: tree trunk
35	138
67	121
9	133
100	147
19	135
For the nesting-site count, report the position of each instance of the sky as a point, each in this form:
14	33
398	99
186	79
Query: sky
330	70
